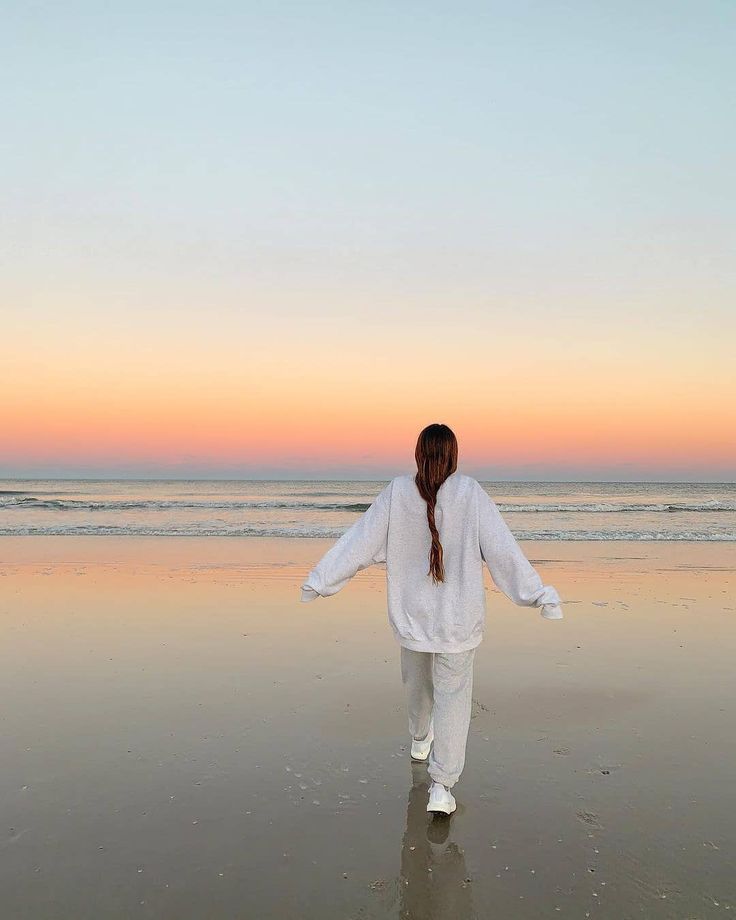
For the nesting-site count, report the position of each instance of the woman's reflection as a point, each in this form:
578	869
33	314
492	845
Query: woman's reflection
434	883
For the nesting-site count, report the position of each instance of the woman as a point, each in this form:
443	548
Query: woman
445	519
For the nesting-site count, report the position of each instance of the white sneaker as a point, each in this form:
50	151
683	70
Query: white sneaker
441	799
420	749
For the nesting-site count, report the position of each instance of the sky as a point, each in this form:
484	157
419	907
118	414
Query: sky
254	240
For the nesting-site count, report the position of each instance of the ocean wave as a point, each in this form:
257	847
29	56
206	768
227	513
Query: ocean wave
62	504
325	532
617	508
31	502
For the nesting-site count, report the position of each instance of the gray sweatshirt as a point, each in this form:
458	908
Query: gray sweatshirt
428	617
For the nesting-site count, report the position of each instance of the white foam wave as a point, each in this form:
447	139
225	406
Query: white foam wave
32	503
316	531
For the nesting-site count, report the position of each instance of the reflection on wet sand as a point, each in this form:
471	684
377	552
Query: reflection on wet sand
434	882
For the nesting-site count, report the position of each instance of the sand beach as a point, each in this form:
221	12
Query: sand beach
182	739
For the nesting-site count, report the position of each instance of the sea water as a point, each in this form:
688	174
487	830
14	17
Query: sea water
533	510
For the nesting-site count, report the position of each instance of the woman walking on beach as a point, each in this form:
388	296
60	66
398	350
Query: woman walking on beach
434	530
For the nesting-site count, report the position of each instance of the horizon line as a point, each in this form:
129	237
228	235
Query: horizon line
723	482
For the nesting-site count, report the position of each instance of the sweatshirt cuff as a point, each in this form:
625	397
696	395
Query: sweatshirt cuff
308	594
552	612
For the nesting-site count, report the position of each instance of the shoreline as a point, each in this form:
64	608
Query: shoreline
296	550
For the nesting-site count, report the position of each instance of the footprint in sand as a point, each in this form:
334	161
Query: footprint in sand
478	708
589	818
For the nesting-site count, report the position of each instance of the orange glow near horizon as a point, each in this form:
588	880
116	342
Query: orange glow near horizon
303	419
346	401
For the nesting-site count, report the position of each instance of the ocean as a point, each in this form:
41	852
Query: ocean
264	508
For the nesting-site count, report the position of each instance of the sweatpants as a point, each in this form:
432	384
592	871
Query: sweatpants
439	687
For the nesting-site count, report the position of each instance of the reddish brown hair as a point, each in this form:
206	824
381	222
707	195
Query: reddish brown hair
436	456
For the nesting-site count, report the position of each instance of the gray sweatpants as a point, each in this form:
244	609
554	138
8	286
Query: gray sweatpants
439	687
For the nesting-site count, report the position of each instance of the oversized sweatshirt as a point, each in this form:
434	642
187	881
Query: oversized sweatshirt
424	616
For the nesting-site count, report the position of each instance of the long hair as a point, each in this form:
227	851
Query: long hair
436	456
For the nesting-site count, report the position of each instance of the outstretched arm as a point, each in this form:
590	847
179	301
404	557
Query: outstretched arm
362	545
510	569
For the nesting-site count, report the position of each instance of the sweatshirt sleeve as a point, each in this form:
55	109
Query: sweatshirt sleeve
362	545
510	570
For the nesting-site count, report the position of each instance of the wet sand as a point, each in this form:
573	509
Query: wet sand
181	738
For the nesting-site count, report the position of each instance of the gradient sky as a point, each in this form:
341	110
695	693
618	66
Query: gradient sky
277	239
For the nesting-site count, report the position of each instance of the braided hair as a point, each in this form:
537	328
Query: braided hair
436	456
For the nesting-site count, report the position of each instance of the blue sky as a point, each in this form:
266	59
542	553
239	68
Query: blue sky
187	175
